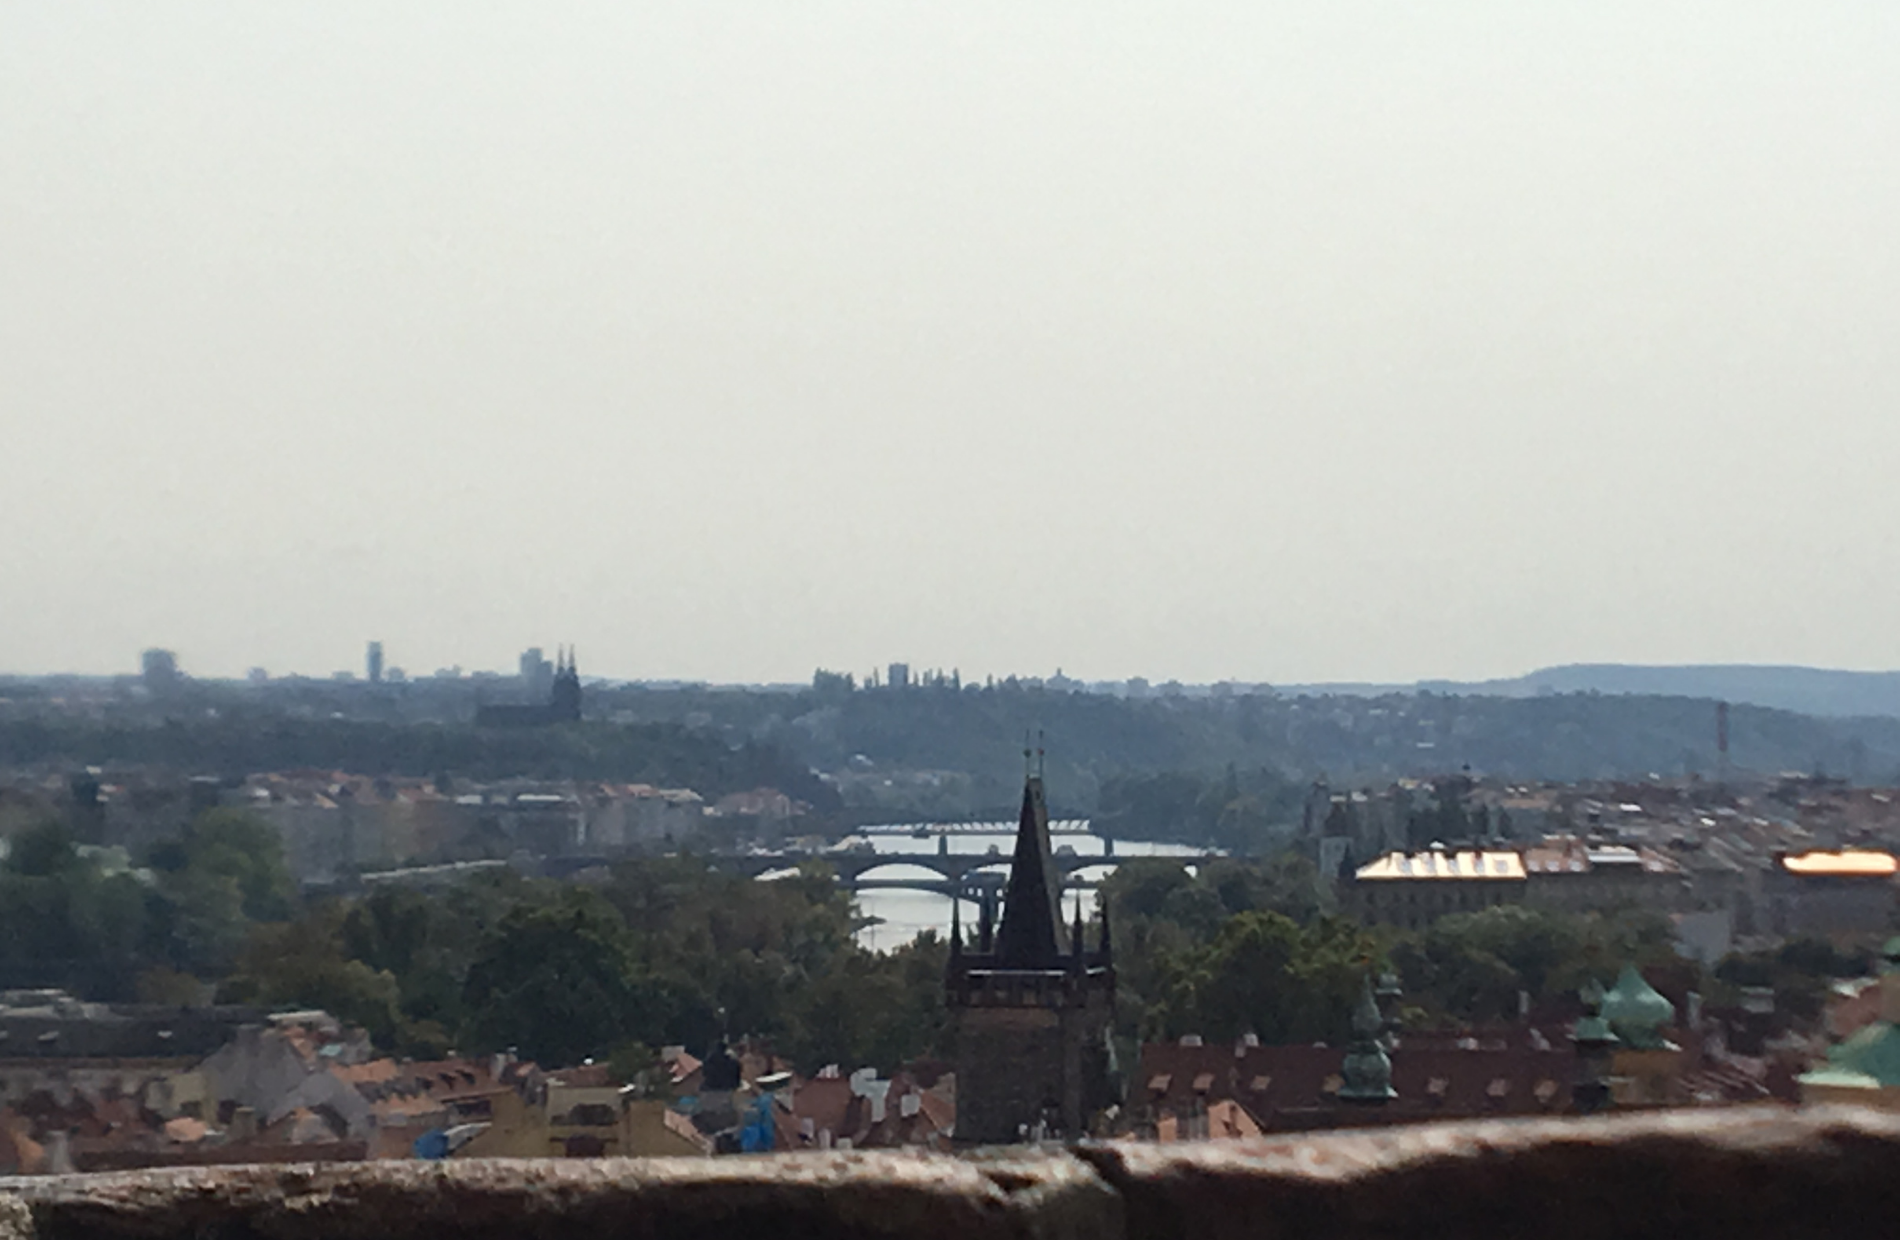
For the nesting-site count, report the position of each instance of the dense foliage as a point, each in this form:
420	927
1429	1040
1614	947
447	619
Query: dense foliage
667	950
1241	948
969	737
86	918
663	951
1245	814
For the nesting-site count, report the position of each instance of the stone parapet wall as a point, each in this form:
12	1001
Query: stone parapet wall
1681	1175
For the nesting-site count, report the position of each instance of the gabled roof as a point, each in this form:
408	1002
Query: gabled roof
1278	1085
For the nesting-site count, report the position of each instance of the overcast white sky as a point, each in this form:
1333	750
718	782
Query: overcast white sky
1272	341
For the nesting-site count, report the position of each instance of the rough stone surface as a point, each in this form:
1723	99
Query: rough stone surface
16	1221
864	1196
1683	1175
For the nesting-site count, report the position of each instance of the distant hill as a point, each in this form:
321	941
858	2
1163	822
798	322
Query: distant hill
940	750
947	752
1807	690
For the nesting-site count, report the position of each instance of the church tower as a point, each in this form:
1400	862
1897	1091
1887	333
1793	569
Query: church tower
1031	1012
564	700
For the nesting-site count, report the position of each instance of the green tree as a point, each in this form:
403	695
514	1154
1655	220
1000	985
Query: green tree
70	916
556	983
197	921
303	963
232	844
1265	974
1142	886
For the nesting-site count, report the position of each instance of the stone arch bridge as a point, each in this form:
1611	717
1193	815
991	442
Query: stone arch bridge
965	874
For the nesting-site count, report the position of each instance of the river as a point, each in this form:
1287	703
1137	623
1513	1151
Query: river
903	915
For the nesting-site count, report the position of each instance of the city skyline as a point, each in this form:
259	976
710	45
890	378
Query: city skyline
374	666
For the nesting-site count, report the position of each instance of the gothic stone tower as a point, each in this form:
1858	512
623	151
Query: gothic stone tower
1031	1015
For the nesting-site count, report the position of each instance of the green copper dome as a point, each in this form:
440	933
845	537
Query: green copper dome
1873	1052
1637	1011
1366	1072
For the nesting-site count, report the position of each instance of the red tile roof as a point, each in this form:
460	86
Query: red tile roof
1283	1086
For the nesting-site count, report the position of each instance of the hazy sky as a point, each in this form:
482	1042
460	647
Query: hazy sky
1269	341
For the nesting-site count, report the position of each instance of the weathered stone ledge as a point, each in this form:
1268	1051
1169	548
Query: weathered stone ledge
1682	1175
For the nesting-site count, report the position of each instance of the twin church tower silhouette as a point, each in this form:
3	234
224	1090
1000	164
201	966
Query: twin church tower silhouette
563	704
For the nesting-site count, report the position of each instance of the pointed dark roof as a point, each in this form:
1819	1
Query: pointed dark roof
1027	937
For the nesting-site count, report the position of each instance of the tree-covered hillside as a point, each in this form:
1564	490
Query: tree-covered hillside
882	743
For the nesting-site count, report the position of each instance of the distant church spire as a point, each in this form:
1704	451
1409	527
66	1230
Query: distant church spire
564	699
1027	937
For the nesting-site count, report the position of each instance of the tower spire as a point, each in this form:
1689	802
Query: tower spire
1031	915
